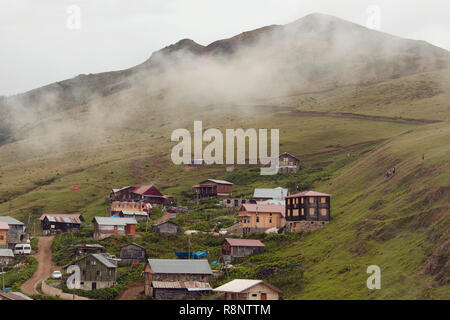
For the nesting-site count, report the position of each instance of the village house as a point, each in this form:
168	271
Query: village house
288	163
166	227
308	210
270	196
4	229
140	216
16	232
212	188
85	249
13	296
255	218
105	227
132	253
96	272
56	222
118	206
246	289
147	194
173	279
6	257
241	248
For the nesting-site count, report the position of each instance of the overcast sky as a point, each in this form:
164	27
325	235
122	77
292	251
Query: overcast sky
40	41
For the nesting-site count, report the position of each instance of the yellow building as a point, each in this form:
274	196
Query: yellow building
4	228
257	218
246	289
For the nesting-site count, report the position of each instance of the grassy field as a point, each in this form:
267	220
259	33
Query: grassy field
400	224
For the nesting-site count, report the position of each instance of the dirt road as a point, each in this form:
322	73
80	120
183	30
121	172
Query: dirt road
45	265
133	291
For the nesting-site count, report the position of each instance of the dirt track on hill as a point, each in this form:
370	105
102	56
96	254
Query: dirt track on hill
45	265
133	292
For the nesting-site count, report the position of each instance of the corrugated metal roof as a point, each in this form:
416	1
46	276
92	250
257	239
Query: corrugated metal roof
4	226
6	253
244	242
189	285
109	221
62	217
309	193
239	285
268	193
14	296
100	257
134	213
180	266
11	220
216	181
269	208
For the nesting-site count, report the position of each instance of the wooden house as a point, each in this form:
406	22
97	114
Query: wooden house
288	163
4	229
255	218
16	233
108	226
118	206
307	210
6	257
177	279
246	289
96	272
240	248
56	222
212	188
85	249
147	194
132	252
166	227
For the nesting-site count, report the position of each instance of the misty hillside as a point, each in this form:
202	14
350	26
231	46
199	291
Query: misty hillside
317	52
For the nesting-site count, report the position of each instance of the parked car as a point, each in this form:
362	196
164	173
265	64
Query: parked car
22	248
172	210
114	258
56	274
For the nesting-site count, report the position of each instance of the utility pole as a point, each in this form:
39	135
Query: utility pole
189	247
3	282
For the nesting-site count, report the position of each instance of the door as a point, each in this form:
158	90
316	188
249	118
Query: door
94	285
263	296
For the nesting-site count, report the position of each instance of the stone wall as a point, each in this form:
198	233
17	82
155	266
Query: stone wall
299	226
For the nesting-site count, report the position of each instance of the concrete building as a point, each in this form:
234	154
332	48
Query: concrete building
246	289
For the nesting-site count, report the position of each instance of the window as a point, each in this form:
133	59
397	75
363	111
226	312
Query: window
254	295
270	220
312	211
323	212
257	219
243	201
303	200
228	201
303	211
311	199
1	238
323	200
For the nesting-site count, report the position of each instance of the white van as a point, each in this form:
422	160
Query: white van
22	248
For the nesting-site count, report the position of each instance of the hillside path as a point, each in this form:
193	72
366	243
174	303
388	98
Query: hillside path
132	292
45	265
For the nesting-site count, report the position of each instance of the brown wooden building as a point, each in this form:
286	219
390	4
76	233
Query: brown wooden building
307	210
288	163
212	188
60	222
132	252
257	218
4	229
97	272
173	279
240	248
166	227
147	194
246	289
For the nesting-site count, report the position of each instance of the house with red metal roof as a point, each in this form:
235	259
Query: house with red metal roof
258	218
60	222
307	210
146	194
240	248
212	188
